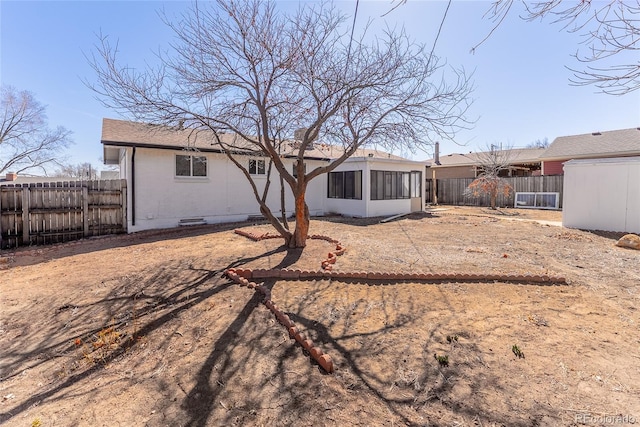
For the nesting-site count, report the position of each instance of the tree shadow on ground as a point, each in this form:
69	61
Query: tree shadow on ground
200	400
130	311
363	368
177	288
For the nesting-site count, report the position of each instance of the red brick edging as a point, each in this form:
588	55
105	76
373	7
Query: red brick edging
324	360
295	274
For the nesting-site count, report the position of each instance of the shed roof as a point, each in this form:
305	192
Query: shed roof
625	142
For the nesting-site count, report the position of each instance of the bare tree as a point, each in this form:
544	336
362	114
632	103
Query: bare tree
539	143
610	28
489	181
81	170
247	69
26	142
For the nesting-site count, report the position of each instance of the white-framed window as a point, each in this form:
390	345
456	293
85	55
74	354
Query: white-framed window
257	167
191	166
295	168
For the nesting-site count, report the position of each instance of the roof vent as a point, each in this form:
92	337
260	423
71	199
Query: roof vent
370	154
596	133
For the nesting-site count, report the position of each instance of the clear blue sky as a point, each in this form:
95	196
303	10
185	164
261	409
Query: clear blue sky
522	89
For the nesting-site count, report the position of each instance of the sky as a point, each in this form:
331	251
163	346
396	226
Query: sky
522	84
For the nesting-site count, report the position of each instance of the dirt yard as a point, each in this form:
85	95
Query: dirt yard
144	330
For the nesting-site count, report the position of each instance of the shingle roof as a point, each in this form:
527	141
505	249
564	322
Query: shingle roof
625	142
126	133
514	156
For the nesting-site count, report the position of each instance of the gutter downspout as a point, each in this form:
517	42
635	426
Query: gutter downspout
133	186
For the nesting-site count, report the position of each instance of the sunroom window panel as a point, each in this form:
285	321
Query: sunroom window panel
349	185
406	185
358	185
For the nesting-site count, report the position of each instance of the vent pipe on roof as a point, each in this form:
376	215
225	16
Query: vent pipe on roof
298	134
596	133
436	154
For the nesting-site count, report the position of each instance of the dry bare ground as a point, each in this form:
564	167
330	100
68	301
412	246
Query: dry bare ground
145	330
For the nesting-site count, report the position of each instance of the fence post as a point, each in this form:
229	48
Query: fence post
85	210
25	216
434	198
123	201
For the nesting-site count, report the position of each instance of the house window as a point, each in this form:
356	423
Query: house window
389	185
256	167
191	166
416	184
295	169
345	185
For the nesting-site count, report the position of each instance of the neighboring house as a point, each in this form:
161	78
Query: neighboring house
178	176
597	145
109	175
522	162
12	178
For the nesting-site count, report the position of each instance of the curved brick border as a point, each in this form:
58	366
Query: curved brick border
326	264
324	360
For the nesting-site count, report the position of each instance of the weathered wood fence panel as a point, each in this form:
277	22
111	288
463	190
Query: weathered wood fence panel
54	212
452	191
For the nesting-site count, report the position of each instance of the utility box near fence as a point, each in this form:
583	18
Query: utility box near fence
602	194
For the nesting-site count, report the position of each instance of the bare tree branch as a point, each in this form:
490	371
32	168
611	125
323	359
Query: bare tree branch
26	143
246	69
611	30
490	164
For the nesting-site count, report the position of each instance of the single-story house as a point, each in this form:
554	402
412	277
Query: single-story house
178	176
596	145
521	162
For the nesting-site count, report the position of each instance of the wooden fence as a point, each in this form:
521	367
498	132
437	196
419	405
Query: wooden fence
452	191
54	212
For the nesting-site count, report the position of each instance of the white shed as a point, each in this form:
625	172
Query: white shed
602	194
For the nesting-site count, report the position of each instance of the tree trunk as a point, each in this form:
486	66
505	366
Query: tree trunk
299	237
283	207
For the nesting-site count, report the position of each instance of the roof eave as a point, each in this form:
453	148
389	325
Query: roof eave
107	143
592	156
